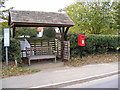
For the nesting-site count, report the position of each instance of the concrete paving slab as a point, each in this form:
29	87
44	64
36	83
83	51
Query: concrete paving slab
44	65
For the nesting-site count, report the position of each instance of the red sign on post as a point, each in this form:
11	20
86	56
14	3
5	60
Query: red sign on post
81	40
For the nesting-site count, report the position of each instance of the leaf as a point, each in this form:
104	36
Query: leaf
94	17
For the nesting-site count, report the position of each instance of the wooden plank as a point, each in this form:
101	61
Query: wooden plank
26	24
55	44
42	57
66	51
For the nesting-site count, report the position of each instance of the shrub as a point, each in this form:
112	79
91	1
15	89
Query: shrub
94	44
101	43
13	50
49	32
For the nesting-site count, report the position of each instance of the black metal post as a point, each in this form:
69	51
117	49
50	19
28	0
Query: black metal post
81	50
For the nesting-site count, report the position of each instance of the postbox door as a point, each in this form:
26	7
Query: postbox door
81	40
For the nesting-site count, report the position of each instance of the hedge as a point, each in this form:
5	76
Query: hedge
13	50
94	44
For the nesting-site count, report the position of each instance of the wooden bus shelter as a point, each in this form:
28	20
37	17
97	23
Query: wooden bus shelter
40	19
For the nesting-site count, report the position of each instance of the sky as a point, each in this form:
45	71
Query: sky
42	5
38	5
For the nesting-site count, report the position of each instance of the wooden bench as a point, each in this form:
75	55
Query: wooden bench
43	52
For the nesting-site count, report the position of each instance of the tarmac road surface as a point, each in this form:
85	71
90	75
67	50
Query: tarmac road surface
108	82
58	77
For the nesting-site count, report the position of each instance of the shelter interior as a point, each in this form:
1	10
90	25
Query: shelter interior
42	19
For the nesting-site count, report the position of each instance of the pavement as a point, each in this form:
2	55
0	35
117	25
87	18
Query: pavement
62	76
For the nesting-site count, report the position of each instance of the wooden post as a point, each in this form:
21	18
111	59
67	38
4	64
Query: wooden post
13	32
48	43
65	33
66	50
63	30
35	46
62	39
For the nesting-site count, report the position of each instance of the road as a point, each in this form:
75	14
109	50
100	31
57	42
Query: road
108	82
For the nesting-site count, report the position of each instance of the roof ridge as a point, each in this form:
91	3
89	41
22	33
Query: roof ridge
37	11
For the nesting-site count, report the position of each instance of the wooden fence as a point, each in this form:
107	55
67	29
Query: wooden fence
56	45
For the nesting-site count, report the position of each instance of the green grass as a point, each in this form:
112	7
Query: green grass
15	71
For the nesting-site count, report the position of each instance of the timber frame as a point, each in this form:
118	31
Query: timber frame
40	19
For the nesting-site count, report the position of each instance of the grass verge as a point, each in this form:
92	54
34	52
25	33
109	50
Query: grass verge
13	70
93	59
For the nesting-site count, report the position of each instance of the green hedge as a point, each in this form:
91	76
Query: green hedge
13	50
94	44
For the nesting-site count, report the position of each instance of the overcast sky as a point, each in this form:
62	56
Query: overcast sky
38	5
42	5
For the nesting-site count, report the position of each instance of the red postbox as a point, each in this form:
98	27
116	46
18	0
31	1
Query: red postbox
81	40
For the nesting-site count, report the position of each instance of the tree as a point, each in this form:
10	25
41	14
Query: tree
4	14
93	17
30	31
49	32
118	18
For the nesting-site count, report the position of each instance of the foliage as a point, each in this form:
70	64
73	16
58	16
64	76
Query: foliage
93	17
94	44
4	14
13	51
39	39
30	31
101	43
118	18
49	32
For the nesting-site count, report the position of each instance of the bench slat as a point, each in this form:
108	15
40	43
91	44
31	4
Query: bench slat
40	53
42	57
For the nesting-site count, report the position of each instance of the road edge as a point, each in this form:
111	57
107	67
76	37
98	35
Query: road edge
76	81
